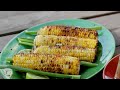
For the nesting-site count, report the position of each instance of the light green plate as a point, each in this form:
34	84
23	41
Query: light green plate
103	56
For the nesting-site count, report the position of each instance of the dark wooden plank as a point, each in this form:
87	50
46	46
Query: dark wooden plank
117	51
18	22
98	76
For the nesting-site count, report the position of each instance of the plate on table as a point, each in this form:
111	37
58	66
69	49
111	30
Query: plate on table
106	47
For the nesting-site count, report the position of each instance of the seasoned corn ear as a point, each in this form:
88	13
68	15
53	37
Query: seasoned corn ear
53	40
85	54
48	63
68	31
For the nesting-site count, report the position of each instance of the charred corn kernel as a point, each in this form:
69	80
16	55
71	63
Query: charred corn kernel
49	63
53	40
85	54
68	31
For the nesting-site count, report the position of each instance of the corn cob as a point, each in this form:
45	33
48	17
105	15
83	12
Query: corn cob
53	40
85	54
48	63
68	31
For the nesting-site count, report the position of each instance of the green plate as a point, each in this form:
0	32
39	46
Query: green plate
104	53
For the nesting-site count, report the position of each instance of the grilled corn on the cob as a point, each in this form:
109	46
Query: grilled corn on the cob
85	54
53	40
49	63
68	31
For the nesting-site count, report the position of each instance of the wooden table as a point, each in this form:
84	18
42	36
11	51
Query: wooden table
13	22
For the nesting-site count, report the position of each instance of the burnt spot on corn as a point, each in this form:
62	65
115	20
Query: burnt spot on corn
41	61
67	62
49	30
52	40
